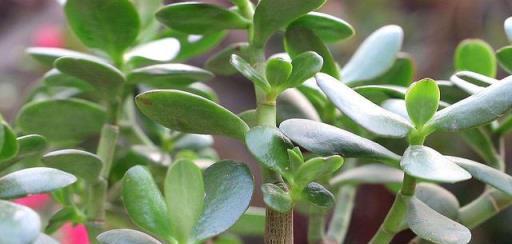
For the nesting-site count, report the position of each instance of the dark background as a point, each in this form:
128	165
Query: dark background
432	28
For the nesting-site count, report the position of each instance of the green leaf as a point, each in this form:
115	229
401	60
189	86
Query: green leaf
144	202
18	224
228	187
220	63
33	181
422	101
324	139
190	113
79	163
269	146
400	74
75	119
327	27
31	145
196	45
426	163
508	28
45	239
318	195
299	40
277	71
55	78
504	56
249	72
184	194
438	199
200	18
168	75
149	155
272	15
391	91
375	56
305	66
368	174
104	77
362	111
8	144
149	27
488	104
276	198
293	104
48	55
252	223
432	226
471	82
193	142
316	168
200	89
162	50
113	27
477	56
486	174
396	106
125	236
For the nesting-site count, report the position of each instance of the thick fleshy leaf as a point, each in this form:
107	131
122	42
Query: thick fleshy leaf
45	239
144	202
471	82
48	55
249	72
400	74
432	226
31	145
318	195
324	139
228	187
375	56
368	174
220	63
477	56
162	50
113	27
272	15
293	104
18	224
488	104
327	27
168	75
426	163
508	28
8	144
197	45
269	146
79	163
422	101
126	236
388	90
104	77
276	198
33	181
300	39
439	199
486	174
362	111
184	194
75	119
305	66
190	113
504	56
277	71
252	223
396	106
55	78
200	89
316	168
200	18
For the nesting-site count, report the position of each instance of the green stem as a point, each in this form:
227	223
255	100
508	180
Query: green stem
340	221
107	147
316	227
396	215
246	8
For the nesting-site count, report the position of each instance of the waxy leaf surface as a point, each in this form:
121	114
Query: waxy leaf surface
439	199
477	56
125	236
168	75
327	27
422	101
504	56
79	163
48	55
318	195
276	198
18	224
368	174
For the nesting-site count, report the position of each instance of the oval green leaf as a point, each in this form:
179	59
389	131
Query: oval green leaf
33	181
79	163
316	168
438	199
125	236
318	195
327	27
292	104
426	163
200	18
362	111
401	73
477	56
508	28
249	72
31	145
277	71
305	66
190	113
55	78
422	101
220	63
75	119
18	224
276	198
504	56
161	50
324	139
168	75
48	55
368	174
9	145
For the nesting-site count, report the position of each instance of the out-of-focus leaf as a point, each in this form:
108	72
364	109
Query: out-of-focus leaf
56	78
196	45
508	28
438	199
75	119
426	163
432	226
362	111
48	55
168	75
368	174
327	27
318	195
8	144
190	113
504	56
220	62
125	236
389	90
324	139
305	66
422	101
30	145
193	142
33	181
277	71
471	82
375	56
400	74
45	239
79	163
316	168
477	56
396	106
249	72
276	198
162	50
293	104
18	224
251	223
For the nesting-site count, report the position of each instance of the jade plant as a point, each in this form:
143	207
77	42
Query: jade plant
120	133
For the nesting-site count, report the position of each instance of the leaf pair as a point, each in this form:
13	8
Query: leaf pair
193	202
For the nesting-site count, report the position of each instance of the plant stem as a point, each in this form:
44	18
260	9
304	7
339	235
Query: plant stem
338	227
316	227
393	221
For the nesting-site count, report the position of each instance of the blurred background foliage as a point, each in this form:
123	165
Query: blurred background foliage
433	28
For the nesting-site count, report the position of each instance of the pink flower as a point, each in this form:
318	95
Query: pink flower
74	234
48	36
